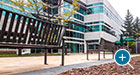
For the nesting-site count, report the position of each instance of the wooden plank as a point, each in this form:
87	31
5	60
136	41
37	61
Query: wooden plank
0	14
27	30
31	30
58	37
39	36
4	27
47	33
10	28
61	35
35	34
16	28
44	32
53	36
57	34
50	34
21	30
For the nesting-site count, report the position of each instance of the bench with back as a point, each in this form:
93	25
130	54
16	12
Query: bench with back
22	32
110	49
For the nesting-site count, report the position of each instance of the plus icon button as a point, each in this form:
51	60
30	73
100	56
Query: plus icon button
122	57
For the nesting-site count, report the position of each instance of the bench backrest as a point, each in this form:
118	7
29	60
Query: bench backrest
21	29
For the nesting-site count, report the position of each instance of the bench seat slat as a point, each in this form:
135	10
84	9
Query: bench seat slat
16	28
4	26
10	28
45	31
22	28
0	14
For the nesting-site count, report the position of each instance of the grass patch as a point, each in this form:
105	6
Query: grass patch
108	52
15	55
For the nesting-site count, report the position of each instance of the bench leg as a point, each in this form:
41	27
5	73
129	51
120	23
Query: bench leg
45	57
112	54
66	51
104	54
87	55
98	55
20	52
63	56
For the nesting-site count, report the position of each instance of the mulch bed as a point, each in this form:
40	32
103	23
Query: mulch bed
108	69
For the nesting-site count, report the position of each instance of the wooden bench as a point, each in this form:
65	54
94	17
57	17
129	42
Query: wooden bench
99	50
19	31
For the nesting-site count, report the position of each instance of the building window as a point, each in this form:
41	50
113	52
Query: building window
95	4
95	10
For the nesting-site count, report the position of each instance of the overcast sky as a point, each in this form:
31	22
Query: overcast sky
121	7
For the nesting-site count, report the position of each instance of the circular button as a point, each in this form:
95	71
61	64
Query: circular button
122	57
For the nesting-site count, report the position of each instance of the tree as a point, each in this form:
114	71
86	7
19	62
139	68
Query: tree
136	27
128	24
47	9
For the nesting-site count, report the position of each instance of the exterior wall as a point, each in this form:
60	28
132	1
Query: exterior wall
93	17
88	2
108	16
112	9
114	25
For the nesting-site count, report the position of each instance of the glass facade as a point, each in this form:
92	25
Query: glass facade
110	14
70	6
92	44
74	34
95	10
77	16
101	26
95	4
96	22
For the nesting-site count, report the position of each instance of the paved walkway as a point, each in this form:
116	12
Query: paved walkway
60	69
13	65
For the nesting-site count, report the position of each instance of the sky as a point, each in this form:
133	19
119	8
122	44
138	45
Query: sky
121	7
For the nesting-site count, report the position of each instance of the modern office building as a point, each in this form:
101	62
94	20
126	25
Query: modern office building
96	22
